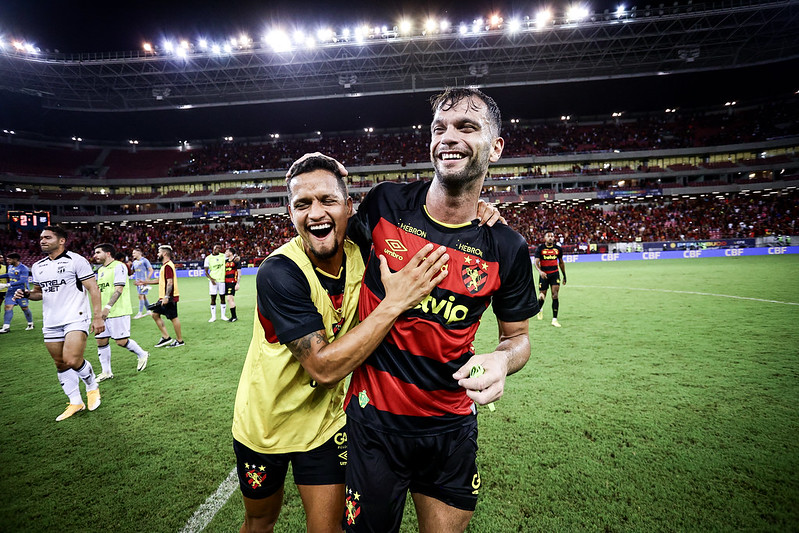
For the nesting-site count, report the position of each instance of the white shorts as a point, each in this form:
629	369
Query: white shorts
216	288
117	327
59	333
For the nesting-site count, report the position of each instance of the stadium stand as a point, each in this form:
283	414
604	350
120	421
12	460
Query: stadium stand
658	219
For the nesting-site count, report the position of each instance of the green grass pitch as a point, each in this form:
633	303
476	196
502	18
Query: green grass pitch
668	401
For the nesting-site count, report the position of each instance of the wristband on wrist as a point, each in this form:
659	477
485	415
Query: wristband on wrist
107	307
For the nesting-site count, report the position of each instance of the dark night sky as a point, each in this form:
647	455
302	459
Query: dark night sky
80	26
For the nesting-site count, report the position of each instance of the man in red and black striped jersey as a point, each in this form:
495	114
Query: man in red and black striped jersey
411	405
548	257
306	339
232	273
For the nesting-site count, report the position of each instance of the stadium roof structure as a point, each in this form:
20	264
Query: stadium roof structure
634	43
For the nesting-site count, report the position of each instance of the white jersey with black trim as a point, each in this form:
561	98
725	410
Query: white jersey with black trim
64	299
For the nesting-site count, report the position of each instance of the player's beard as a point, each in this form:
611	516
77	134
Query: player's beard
324	255
326	252
472	172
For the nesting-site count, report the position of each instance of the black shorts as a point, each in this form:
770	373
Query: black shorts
170	310
545	282
384	466
230	289
263	474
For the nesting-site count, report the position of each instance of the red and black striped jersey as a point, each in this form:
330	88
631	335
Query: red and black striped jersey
548	257
406	385
232	269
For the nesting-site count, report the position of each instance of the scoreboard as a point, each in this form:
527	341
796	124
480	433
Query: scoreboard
29	220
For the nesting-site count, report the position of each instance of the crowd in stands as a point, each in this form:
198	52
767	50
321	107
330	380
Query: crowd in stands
650	132
662	219
655	131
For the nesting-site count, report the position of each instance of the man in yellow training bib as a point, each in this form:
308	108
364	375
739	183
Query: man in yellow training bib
306	340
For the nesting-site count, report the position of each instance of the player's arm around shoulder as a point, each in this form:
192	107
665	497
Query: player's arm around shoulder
510	356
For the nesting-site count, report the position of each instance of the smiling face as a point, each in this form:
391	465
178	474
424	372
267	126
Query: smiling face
319	210
463	143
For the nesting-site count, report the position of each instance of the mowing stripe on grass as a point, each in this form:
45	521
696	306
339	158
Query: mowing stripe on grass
206	512
685	292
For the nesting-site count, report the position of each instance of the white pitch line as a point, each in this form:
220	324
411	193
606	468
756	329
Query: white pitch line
685	292
206	512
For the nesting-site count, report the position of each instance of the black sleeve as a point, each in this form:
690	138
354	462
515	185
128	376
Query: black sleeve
358	228
284	298
537	253
516	298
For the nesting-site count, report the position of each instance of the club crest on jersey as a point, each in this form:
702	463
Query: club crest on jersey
473	277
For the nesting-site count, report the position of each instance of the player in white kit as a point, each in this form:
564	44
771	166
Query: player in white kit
61	281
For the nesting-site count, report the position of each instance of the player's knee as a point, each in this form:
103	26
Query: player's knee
122	342
260	520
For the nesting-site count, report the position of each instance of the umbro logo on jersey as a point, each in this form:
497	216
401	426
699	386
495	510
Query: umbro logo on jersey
396	245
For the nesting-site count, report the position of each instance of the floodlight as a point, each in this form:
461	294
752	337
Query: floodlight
325	34
620	10
299	36
228	48
279	41
476	25
181	52
310	42
430	25
168	46
542	18
203	44
147	47
444	25
360	34
215	48
184	44
577	12
18	45
405	26
496	20
345	33
514	25
463	29
31	49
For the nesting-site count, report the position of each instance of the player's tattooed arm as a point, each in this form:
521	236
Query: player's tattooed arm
309	344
